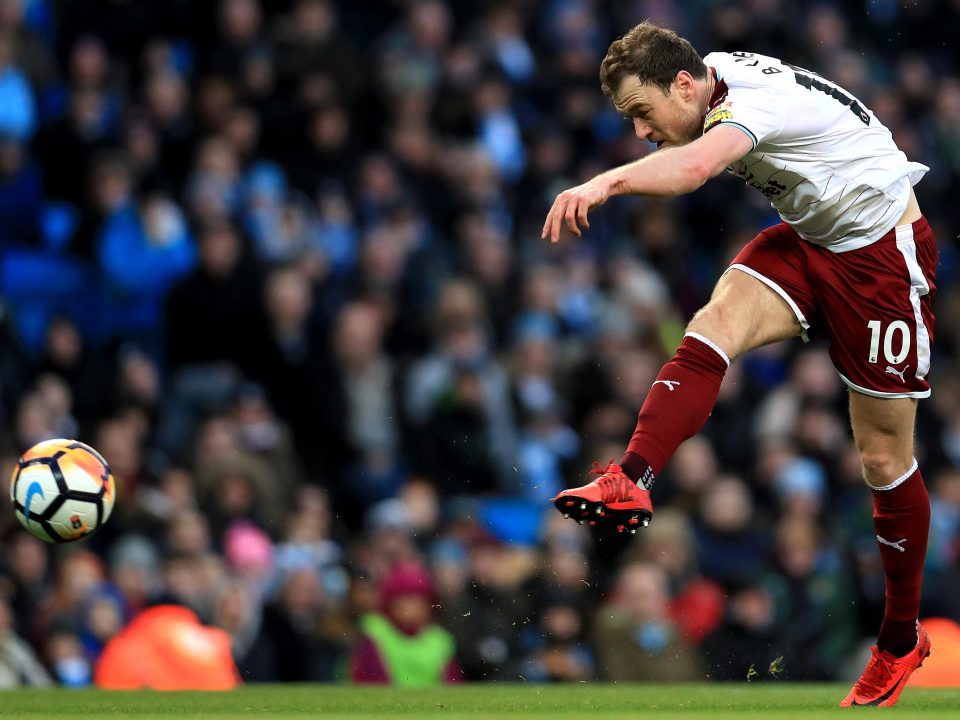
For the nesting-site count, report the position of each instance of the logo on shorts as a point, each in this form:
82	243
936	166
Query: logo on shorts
899	373
668	383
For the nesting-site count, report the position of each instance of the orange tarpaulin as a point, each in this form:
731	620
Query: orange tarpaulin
167	648
942	668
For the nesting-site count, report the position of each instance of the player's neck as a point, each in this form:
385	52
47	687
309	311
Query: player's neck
710	85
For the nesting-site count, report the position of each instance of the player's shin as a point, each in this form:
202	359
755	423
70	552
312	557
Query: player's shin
901	517
678	404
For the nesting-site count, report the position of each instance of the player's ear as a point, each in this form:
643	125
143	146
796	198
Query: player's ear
684	84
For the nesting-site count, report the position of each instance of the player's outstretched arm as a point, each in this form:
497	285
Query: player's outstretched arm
666	173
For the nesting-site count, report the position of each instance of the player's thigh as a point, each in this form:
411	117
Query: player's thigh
876	307
761	297
883	430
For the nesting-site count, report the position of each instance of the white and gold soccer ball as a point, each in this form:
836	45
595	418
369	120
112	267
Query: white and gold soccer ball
62	490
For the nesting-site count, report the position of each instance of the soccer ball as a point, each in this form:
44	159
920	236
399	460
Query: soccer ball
62	490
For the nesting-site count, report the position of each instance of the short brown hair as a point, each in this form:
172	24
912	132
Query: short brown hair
651	53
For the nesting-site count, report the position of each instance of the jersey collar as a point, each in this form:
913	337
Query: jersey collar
719	90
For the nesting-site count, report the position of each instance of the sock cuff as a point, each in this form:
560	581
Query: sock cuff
900	480
710	344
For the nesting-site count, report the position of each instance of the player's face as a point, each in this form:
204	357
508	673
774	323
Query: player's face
667	119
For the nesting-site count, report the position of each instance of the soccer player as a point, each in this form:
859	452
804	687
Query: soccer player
853	260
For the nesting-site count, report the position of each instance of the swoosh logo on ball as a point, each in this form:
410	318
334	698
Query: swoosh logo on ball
34	489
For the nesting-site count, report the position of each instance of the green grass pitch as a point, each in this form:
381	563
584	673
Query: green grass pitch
477	702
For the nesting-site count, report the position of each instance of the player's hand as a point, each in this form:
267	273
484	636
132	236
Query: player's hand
571	206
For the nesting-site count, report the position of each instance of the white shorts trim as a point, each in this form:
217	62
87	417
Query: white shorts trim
876	393
710	344
779	291
899	481
918	288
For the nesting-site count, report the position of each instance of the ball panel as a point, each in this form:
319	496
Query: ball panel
81	471
109	497
47	448
77	445
35	488
36	527
75	519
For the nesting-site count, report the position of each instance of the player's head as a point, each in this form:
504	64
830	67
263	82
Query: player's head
656	79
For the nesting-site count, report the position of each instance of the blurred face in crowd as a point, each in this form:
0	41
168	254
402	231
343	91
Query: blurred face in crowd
217	438
6	619
727	506
11	157
420	498
243	130
111	186
34	420
79	573
358	335
329	129
166	95
569	567
315	503
64	344
314	19
219	250
11	12
104	619
695	465
797	547
240	19
27	557
134	581
561	622
183	578
89	63
642	592
409	612
217	156
302	593
119	441
430	24
288	297
189	534
752	608
233	609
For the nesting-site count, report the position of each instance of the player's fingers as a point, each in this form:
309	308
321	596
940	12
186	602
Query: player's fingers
551	227
571	216
556	222
548	222
582	214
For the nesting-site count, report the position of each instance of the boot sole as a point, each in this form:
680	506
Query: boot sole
625	517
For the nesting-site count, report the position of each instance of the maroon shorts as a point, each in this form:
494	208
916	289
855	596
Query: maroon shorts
874	304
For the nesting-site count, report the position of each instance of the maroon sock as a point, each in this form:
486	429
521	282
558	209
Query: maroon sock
678	404
901	516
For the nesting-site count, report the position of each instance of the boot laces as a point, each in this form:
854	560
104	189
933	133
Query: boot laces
614	485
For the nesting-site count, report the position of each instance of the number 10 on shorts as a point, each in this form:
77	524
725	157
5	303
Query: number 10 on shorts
897	327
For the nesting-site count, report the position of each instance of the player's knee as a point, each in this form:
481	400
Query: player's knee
714	323
881	466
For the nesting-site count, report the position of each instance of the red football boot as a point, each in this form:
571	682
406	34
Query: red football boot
612	497
885	675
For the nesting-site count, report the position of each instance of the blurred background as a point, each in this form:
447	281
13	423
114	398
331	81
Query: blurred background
279	261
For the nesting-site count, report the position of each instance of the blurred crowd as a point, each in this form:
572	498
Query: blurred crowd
279	262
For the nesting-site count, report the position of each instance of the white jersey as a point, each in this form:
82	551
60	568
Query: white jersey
824	161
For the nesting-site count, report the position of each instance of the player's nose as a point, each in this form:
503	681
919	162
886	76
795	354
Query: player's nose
641	129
